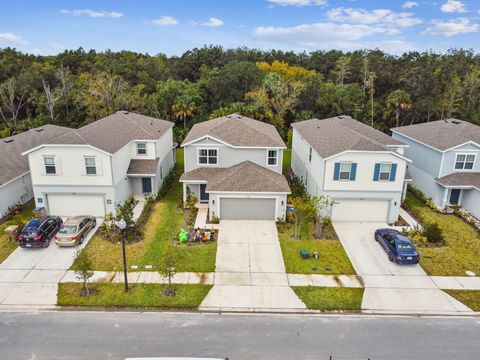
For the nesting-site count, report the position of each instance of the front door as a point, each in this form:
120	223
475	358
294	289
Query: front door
147	185
454	196
203	195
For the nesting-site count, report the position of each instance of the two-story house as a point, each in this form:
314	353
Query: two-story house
446	161
234	164
360	168
95	168
15	182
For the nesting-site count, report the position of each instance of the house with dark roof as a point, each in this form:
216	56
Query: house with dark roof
233	164
446	161
15	181
95	168
362	169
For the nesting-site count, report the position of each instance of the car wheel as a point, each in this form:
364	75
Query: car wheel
80	242
390	257
46	243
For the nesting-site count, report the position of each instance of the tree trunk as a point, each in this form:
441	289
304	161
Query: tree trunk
397	117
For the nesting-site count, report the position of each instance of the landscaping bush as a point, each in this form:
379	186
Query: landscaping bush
167	183
434	233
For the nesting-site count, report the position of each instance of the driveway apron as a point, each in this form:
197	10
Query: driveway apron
250	272
390	287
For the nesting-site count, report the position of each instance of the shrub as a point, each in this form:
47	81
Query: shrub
167	183
434	233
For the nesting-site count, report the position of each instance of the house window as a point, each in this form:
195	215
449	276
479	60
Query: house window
310	155
90	166
464	162
207	156
272	157
345	170
385	170
141	149
49	165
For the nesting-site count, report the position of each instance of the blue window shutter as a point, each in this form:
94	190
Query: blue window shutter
336	172
353	172
376	173
393	172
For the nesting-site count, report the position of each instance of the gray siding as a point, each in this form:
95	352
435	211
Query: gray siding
471	201
16	192
448	165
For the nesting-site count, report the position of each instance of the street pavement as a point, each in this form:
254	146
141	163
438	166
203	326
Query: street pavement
116	335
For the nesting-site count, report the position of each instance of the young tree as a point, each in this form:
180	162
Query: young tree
84	268
168	270
304	211
398	101
13	97
52	96
342	69
323	213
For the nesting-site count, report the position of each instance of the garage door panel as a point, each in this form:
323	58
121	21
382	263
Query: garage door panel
360	210
71	205
247	209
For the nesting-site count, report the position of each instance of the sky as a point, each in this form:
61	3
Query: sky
172	27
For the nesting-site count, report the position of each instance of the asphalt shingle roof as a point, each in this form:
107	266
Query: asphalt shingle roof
338	134
143	166
113	132
12	162
237	130
243	177
461	179
442	134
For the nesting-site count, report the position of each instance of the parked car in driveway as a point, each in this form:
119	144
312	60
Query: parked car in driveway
74	230
38	232
398	246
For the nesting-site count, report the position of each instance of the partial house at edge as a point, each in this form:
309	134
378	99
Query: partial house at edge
15	180
95	168
233	164
362	169
446	161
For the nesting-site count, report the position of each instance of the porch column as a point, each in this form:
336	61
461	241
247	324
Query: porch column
444	198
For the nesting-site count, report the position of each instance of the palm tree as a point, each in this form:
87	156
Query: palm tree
369	85
398	100
183	109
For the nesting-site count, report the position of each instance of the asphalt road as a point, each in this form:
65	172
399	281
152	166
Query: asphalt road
90	335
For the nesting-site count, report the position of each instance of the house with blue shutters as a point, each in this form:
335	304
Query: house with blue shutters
362	169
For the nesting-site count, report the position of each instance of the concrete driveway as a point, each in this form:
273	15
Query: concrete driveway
31	276
250	272
390	287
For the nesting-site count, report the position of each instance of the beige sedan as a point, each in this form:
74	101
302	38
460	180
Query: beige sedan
74	230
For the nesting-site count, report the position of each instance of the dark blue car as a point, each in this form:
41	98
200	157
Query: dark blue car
398	247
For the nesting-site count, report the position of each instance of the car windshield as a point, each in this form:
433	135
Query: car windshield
68	229
404	246
32	226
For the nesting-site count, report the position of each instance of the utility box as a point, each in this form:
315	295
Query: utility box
12	232
304	254
39	212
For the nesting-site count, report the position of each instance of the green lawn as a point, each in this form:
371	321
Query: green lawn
161	228
138	296
287	160
332	257
470	298
328	299
7	246
462	251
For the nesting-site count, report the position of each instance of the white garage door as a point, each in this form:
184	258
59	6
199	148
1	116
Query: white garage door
360	210
247	209
70	205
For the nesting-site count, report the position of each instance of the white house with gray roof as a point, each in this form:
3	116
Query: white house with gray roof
93	169
446	161
360	168
15	181
234	164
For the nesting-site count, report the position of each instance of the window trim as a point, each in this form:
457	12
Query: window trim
146	147
54	165
87	166
349	170
389	172
208	156
464	161
276	157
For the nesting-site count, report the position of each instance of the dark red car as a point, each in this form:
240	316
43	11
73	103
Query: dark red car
38	232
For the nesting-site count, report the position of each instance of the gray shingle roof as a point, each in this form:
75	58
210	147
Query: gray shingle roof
442	134
143	166
244	177
113	132
471	179
237	130
338	134
12	162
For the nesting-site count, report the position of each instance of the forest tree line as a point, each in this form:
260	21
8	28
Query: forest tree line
77	87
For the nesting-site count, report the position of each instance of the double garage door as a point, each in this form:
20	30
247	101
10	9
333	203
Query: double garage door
75	204
247	209
360	210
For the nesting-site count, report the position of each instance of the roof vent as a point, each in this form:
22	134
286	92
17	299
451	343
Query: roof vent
456	122
340	117
124	112
39	130
6	141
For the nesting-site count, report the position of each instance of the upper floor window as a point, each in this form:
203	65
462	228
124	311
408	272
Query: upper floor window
90	166
464	161
345	170
272	158
385	171
310	155
141	149
208	156
49	162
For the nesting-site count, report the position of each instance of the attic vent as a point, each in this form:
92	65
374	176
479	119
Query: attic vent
456	122
125	112
7	141
39	130
340	117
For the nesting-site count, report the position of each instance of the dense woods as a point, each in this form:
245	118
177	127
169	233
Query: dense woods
77	87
